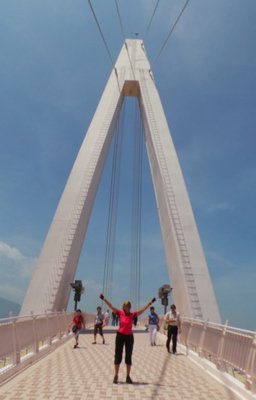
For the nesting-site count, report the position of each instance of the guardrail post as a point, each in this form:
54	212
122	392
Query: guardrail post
16	347
49	341
250	383
220	364
66	323
201	341
187	341
59	334
36	343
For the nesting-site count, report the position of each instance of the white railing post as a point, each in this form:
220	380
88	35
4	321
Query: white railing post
188	336
16	347
66	322
49	341
220	364
59	318
36	343
201	341
250	383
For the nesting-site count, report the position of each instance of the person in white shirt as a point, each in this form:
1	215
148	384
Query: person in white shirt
106	318
172	319
98	325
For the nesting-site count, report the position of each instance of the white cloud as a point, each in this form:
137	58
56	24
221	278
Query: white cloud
15	270
10	252
11	292
222	206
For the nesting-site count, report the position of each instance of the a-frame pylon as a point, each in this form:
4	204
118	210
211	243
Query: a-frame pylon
49	289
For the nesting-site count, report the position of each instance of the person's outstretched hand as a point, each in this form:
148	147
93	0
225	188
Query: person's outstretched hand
101	296
153	300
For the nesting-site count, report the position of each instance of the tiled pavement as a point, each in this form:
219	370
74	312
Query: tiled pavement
87	373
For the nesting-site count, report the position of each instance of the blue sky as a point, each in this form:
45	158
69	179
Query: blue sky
53	69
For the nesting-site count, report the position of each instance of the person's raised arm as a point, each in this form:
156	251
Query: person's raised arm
141	311
108	303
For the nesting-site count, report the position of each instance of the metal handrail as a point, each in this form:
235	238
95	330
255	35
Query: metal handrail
231	349
25	339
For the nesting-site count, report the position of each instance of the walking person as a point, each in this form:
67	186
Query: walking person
98	325
106	318
172	318
153	322
78	322
124	336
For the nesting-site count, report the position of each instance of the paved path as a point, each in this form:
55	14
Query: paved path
87	373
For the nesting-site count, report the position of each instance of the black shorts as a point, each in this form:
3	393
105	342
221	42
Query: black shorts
98	328
121	342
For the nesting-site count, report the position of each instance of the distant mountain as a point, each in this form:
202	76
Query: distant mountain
7	307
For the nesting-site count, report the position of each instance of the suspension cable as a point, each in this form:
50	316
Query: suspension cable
122	30
170	32
120	20
101	33
136	211
112	209
105	42
151	19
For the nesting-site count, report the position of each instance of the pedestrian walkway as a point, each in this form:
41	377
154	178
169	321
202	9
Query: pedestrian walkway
87	373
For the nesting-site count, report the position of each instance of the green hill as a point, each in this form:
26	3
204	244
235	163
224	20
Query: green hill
7	307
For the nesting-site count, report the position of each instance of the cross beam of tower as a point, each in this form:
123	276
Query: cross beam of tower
49	289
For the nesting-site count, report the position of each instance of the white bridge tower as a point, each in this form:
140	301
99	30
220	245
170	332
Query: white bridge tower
49	289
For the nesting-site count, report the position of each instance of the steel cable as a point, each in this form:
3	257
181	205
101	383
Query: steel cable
136	210
151	19
120	20
170	32
113	207
105	42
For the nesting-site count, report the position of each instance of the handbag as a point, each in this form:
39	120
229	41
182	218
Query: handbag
74	328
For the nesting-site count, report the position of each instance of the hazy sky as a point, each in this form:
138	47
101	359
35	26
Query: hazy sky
53	69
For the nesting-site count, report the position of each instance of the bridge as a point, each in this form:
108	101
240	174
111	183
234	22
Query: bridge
37	356
38	361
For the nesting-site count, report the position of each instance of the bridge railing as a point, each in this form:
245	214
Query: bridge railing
23	340
231	349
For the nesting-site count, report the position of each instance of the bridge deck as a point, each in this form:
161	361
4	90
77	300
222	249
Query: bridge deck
87	373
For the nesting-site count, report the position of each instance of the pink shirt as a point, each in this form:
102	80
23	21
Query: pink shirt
125	321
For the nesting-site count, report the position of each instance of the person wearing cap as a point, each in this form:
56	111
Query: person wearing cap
124	336
172	319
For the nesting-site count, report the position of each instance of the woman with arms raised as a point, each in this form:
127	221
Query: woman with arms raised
124	336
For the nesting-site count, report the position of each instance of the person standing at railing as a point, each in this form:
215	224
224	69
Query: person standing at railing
77	323
124	336
172	319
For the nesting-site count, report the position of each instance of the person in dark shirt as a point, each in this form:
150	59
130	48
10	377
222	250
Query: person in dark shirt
153	322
